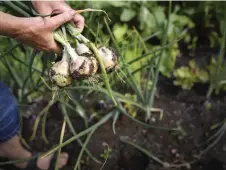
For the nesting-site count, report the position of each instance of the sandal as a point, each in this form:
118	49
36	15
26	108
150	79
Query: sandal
32	164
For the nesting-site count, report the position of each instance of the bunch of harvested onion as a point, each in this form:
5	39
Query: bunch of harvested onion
81	61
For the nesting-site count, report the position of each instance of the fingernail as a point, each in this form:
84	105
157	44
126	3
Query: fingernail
72	12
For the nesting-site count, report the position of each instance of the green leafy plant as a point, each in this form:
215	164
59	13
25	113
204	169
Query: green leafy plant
131	109
217	81
107	153
218	71
186	77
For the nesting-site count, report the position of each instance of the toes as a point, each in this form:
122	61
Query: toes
43	163
64	155
63	159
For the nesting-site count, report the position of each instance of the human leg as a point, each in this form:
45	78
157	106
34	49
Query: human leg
10	146
13	150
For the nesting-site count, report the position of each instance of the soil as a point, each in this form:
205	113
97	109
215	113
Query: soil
185	109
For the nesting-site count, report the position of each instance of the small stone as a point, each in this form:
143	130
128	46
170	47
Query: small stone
173	151
144	131
177	155
153	119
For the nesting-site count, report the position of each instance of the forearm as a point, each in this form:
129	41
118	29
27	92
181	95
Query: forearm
10	25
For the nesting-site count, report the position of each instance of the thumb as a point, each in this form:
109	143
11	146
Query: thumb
58	20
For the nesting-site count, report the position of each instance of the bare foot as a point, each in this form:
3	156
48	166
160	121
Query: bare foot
43	163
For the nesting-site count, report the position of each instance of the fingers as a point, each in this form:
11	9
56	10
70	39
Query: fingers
78	19
56	48
79	22
58	20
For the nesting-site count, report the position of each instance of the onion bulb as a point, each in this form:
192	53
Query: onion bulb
82	66
59	72
82	49
109	58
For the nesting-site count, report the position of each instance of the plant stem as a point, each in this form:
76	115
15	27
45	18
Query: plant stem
13	73
130	76
149	154
25	64
19	160
83	148
61	140
92	10
218	137
145	124
44	128
9	50
155	80
106	80
74	133
21	5
119	97
16	8
102	121
44	110
115	118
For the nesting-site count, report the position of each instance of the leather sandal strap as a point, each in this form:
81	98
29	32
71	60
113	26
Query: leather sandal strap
53	161
32	164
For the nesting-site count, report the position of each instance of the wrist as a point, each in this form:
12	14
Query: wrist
10	25
26	26
16	28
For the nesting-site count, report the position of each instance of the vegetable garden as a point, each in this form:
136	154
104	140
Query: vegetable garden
141	88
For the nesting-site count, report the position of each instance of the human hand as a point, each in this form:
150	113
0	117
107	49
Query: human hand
38	32
57	7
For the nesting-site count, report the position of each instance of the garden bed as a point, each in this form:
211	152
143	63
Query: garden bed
185	109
